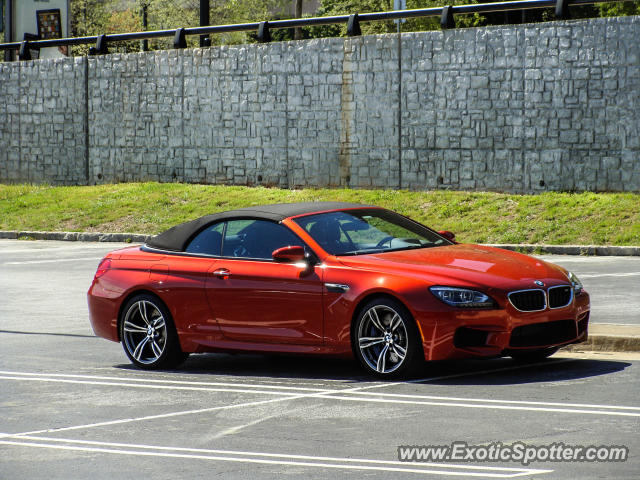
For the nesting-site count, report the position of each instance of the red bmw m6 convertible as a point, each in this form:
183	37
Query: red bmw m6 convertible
332	279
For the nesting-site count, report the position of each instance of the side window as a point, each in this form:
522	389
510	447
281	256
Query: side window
208	241
256	238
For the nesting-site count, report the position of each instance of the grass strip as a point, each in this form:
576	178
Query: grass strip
477	217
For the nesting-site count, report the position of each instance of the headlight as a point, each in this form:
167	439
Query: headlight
462	297
575	283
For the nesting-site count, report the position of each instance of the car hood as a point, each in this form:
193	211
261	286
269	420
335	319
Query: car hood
463	265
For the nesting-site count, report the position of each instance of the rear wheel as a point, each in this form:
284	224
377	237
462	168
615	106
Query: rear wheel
526	356
148	334
385	339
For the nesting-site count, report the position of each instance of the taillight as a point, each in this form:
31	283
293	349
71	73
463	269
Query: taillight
105	265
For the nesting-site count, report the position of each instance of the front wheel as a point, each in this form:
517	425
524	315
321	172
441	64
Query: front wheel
385	339
148	334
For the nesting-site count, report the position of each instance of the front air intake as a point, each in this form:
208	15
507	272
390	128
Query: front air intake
543	334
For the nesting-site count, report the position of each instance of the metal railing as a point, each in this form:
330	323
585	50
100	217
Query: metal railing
262	29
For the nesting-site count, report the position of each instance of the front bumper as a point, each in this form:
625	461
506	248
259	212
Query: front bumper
490	333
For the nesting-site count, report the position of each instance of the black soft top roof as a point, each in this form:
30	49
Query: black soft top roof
176	238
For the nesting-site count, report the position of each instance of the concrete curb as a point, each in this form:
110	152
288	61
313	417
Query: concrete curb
594	250
606	343
610	338
76	236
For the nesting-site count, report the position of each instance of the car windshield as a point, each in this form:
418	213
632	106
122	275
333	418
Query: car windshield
365	231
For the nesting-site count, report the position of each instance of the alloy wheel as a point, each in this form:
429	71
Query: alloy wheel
382	339
144	332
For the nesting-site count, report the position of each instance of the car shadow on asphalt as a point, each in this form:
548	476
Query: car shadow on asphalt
497	371
505	371
274	366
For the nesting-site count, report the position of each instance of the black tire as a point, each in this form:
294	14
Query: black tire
148	334
535	355
382	332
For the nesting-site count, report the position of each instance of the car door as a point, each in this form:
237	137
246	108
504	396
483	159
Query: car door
254	298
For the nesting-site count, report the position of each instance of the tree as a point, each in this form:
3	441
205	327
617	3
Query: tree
619	9
346	7
88	17
244	11
94	17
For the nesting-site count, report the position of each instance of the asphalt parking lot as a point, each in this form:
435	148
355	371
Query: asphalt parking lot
73	407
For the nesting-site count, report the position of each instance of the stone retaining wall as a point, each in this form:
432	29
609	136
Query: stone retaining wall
524	108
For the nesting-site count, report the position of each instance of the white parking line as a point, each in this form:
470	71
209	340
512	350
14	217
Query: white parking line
153	387
235	429
482	405
349	394
46	249
168	376
515	402
155	417
234	387
57	260
586	258
467	374
164	382
600	275
275	458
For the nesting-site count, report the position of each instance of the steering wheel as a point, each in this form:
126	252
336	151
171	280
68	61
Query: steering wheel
386	239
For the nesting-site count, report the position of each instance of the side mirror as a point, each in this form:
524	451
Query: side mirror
448	235
289	254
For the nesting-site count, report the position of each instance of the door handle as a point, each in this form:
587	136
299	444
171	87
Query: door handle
221	273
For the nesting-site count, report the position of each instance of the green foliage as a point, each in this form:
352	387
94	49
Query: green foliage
421	24
618	9
346	7
93	17
88	17
244	11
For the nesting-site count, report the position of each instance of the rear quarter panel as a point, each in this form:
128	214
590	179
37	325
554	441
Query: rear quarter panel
177	280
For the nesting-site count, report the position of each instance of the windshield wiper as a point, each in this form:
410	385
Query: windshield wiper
383	250
408	247
359	252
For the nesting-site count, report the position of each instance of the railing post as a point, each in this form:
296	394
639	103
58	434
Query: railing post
24	53
144	43
179	40
353	26
101	47
264	35
205	40
562	9
446	19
